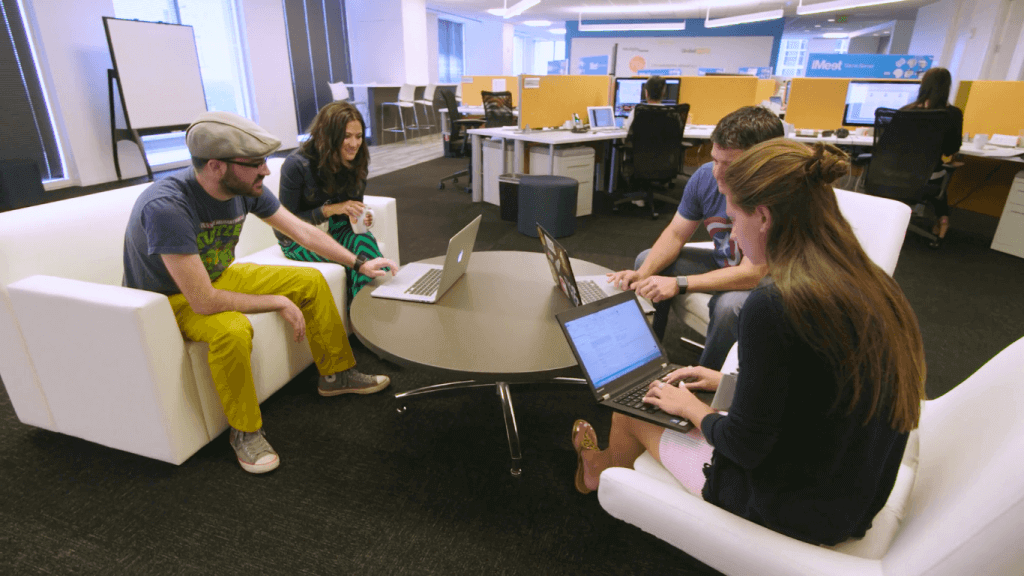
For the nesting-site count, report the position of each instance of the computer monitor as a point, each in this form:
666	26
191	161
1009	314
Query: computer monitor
630	91
862	98
601	117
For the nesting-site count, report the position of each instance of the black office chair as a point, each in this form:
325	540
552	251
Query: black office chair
498	109
907	148
653	153
458	141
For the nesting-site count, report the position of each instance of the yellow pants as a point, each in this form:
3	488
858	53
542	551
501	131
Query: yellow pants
229	334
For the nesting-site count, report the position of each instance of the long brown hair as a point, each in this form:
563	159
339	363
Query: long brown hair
323	148
934	90
838	301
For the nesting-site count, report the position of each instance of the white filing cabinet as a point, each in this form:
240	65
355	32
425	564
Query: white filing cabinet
575	162
494	165
1009	236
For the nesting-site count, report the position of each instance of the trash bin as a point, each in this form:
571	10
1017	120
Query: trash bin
508	196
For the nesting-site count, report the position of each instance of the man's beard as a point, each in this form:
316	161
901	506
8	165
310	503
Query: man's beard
234	185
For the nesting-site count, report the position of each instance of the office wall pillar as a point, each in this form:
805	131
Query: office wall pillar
508	47
388	41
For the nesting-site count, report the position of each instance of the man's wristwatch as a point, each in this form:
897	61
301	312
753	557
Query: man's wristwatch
683	284
360	260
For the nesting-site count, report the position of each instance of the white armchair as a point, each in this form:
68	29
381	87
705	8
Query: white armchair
879	223
957	507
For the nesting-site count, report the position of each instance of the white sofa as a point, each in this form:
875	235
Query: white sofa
84	356
879	223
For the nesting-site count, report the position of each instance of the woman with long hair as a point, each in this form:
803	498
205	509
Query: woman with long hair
934	95
831	367
324	181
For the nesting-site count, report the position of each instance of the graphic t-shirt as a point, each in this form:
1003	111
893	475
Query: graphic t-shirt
176	216
702	202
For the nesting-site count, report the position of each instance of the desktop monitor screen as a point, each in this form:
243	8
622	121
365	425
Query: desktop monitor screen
862	98
630	91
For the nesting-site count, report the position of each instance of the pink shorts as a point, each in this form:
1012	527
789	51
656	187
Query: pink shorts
684	455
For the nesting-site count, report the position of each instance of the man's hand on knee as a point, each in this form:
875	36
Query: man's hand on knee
291	313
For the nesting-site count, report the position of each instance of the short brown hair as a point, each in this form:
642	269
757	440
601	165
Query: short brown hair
746	127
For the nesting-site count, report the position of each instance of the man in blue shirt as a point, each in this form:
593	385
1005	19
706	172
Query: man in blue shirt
670	268
181	240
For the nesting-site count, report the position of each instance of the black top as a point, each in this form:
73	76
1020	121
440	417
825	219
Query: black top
303	193
782	459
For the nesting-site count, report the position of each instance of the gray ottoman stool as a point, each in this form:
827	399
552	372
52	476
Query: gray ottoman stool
550	201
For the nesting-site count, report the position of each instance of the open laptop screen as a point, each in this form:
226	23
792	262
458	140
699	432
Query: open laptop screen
612	341
601	116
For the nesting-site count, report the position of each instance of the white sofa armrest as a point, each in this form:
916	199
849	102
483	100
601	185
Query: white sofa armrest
112	365
385	224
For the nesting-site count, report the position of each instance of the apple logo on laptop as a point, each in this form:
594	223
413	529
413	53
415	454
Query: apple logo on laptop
461	252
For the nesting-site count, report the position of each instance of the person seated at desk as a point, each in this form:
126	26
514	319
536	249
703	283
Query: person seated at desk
180	241
324	180
934	94
670	268
831	367
653	90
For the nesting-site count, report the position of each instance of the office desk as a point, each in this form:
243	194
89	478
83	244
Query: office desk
496	326
993	152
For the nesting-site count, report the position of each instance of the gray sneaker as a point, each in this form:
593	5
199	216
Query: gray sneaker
351	381
253	451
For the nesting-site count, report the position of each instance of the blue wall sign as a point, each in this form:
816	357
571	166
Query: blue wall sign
558	67
762	72
597	65
660	72
888	66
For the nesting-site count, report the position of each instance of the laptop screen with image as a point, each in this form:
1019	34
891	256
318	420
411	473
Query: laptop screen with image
613	342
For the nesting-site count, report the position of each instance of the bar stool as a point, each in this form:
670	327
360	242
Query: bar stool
428	101
406	99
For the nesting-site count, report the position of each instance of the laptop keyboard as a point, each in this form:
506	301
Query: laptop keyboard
427	284
590	291
634	397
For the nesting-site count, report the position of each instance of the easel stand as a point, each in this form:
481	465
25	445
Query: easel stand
129	133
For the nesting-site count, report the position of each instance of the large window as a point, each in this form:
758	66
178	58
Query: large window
318	47
545	51
792	57
24	111
449	52
221	62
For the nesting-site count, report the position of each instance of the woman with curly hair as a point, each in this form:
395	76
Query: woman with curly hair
324	180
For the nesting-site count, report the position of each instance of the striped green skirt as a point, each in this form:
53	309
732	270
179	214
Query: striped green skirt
358	244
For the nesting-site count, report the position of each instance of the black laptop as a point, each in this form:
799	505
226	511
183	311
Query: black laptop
620	356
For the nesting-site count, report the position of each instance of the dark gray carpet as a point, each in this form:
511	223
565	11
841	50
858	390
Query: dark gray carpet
363	489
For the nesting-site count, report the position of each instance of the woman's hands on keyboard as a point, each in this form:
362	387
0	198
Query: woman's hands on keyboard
695	378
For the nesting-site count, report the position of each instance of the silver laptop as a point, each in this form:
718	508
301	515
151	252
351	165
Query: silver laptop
601	118
419	282
579	289
620	357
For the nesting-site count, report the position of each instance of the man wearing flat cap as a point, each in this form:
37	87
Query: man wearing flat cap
181	241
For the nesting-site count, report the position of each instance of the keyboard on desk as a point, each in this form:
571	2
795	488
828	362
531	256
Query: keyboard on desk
590	291
427	284
634	397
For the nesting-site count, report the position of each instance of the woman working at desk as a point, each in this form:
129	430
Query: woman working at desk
324	181
831	369
934	94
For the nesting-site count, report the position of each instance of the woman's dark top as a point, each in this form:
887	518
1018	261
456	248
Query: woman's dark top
303	193
782	458
952	135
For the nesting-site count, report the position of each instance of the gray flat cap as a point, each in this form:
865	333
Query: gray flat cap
227	135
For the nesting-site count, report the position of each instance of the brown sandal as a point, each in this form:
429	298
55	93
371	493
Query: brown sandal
588	442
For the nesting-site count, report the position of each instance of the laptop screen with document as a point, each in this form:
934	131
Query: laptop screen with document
613	342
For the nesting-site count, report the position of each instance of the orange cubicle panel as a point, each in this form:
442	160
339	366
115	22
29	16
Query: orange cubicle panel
765	90
551	100
993	107
816	103
712	97
476	84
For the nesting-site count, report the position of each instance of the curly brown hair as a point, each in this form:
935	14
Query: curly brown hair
323	148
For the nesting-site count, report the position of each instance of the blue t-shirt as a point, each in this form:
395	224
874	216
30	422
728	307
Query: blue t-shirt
176	216
702	202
